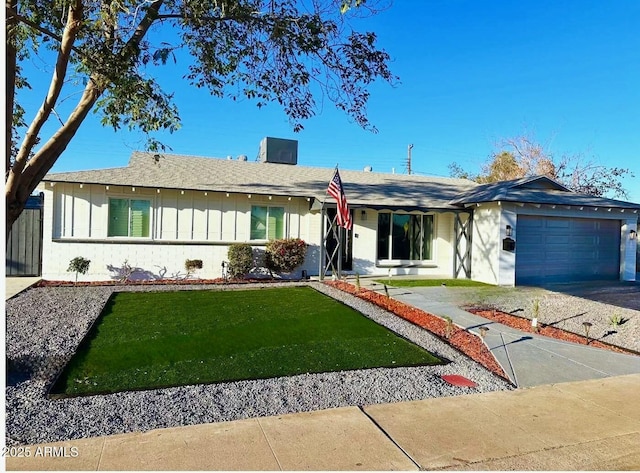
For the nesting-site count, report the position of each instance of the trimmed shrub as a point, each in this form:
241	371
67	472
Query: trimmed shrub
240	260
79	265
192	264
283	256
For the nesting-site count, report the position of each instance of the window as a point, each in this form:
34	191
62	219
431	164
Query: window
267	223
405	237
129	218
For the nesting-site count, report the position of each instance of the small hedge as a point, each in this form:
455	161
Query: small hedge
192	264
240	260
285	255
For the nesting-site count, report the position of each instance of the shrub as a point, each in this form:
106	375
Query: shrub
79	265
240	260
192	264
125	271
283	256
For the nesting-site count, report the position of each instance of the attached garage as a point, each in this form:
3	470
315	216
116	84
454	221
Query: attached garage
555	249
534	231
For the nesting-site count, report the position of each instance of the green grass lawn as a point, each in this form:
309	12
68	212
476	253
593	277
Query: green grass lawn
431	282
156	339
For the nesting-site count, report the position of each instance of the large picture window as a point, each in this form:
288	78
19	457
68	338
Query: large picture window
267	223
405	237
129	218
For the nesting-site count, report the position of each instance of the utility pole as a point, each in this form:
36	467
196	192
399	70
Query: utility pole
409	159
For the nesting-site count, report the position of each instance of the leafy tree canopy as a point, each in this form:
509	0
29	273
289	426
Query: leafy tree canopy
524	157
284	51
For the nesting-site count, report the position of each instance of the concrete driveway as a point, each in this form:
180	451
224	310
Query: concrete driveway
622	294
529	359
565	306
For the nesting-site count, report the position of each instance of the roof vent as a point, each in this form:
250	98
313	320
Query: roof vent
242	157
368	169
278	150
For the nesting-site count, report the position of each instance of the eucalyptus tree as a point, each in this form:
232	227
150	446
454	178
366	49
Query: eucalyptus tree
283	51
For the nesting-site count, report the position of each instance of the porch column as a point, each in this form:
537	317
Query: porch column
628	249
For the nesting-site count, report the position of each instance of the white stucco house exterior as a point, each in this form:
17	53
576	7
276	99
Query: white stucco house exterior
162	209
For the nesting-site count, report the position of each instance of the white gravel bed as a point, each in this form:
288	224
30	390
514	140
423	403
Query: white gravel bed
569	312
45	326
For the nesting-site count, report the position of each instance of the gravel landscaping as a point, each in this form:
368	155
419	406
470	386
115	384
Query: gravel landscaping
563	306
568	307
46	324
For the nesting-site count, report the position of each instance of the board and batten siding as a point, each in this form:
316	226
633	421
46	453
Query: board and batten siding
184	225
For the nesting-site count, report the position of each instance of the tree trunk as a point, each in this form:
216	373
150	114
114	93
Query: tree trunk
20	184
26	171
13	211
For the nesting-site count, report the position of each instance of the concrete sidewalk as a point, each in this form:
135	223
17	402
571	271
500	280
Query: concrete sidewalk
15	285
528	359
587	425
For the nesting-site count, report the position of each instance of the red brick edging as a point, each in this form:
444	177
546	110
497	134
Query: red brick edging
459	338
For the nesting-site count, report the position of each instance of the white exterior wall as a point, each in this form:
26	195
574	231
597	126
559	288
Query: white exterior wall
486	244
365	230
365	248
184	225
629	247
199	225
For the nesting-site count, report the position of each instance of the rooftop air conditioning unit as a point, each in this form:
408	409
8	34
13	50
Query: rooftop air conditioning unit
278	150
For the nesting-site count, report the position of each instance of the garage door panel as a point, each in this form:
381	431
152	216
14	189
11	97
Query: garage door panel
556	223
557	240
584	225
554	249
583	241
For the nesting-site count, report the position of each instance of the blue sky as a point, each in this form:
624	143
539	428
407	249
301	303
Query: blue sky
471	73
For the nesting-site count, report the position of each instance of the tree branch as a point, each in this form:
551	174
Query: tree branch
42	161
74	22
39	28
11	69
131	48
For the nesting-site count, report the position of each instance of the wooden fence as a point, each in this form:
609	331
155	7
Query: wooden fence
24	246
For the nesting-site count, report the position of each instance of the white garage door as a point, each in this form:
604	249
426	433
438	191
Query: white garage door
554	249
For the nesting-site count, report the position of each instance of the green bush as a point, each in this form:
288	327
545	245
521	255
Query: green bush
283	256
240	260
192	264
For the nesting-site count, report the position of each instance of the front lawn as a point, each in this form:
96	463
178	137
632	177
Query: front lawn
432	282
147	340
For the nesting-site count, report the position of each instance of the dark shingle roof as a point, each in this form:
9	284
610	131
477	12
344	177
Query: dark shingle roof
378	190
536	190
213	174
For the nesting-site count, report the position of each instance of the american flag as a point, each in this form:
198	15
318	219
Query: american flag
336	190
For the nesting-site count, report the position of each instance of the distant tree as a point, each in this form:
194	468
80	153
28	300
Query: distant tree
105	54
522	156
455	170
503	167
